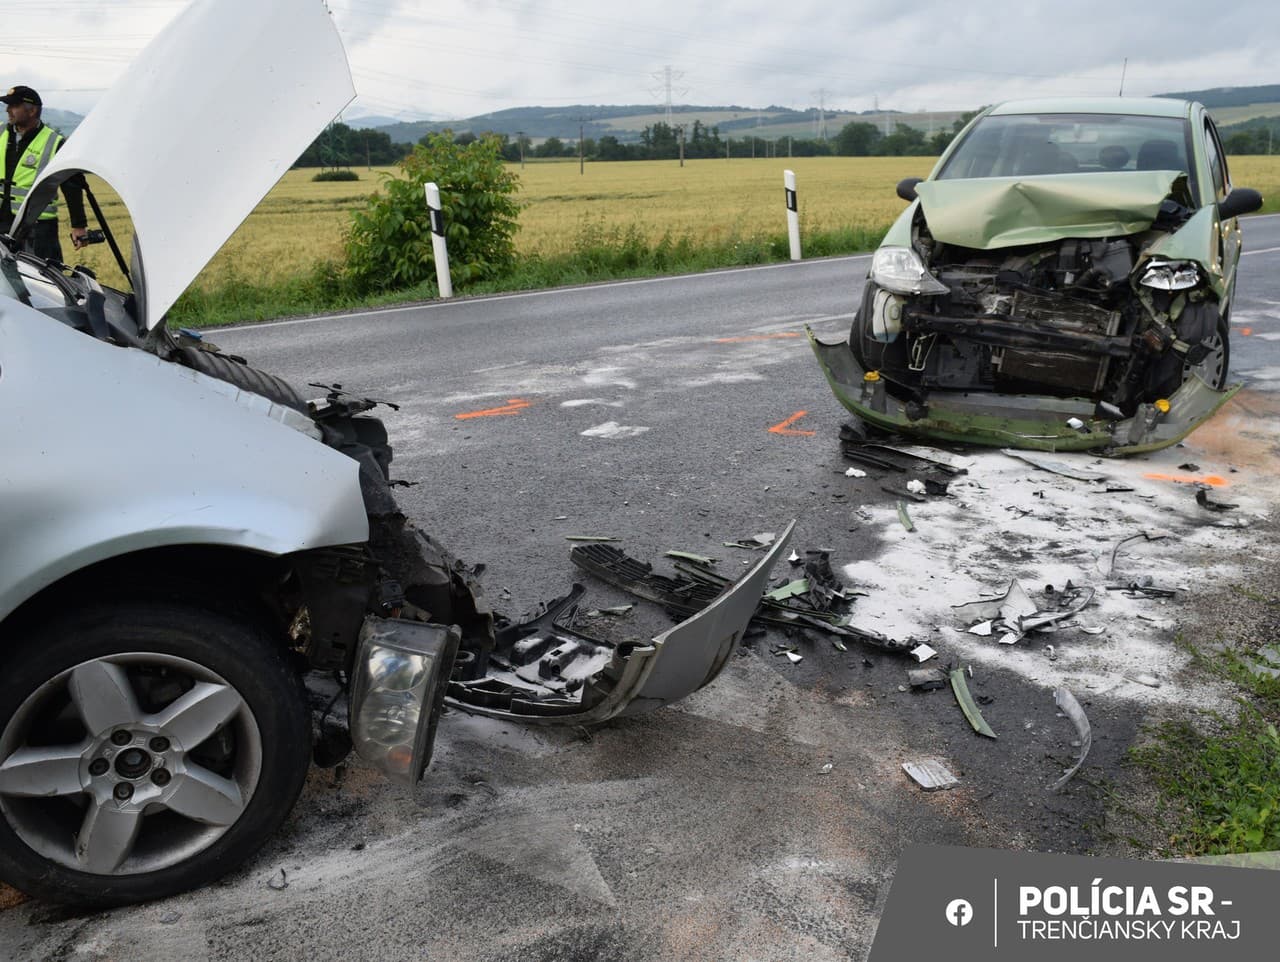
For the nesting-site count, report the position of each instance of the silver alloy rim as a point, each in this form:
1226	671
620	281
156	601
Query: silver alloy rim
133	794
1209	369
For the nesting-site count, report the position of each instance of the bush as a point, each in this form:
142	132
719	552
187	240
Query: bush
389	244
336	175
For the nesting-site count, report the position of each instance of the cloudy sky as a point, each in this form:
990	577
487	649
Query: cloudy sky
461	58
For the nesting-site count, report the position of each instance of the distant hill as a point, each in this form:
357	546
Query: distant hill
1217	97
65	120
627	121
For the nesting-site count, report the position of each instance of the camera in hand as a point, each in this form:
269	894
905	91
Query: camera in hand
93	237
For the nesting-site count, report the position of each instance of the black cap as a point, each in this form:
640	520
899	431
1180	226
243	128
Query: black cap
22	95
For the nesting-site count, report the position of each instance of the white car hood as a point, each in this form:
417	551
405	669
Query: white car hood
212	113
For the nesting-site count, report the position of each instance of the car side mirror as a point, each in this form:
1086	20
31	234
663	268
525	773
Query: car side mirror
1241	200
907	188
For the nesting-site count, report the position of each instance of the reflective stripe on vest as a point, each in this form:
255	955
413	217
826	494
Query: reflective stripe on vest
33	160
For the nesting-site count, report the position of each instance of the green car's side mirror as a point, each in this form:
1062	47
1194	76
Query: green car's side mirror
907	187
1241	200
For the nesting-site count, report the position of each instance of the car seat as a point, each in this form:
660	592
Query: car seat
1160	155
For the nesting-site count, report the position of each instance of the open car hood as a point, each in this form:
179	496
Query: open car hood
212	113
992	212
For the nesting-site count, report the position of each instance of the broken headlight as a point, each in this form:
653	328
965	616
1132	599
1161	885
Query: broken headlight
1171	275
899	269
402	669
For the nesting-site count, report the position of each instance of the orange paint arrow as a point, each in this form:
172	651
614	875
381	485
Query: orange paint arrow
513	406
785	426
1212	480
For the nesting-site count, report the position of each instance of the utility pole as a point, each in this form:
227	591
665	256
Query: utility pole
681	129
520	142
581	163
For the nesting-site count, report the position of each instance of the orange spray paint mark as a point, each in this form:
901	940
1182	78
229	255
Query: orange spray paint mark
756	337
1212	480
514	406
1246	331
785	426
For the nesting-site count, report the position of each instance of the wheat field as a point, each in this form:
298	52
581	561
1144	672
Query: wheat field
301	223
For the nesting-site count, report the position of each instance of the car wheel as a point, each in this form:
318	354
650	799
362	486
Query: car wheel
1214	366
145	749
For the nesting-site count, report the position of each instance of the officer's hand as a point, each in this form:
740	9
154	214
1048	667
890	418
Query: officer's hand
77	237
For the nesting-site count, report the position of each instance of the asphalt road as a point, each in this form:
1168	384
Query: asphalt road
643	410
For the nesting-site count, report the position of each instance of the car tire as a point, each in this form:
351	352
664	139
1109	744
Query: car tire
146	748
1214	367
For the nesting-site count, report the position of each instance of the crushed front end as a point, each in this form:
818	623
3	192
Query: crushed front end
1092	327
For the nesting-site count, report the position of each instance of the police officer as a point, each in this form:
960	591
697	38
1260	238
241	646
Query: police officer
27	146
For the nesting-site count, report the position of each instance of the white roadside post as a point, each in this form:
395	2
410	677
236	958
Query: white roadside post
437	241
793	212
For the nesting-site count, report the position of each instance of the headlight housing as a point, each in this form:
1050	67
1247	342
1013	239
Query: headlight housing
1171	275
899	269
401	672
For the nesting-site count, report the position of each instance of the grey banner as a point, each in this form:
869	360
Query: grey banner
989	904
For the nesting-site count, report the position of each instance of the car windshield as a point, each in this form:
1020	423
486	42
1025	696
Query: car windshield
1013	145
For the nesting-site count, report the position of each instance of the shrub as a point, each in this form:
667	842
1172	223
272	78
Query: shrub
389	244
336	175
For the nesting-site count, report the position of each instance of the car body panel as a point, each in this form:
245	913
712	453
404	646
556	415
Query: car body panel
113	450
1034	423
992	212
202	124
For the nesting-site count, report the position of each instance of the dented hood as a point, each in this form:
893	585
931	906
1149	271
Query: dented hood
212	113
994	212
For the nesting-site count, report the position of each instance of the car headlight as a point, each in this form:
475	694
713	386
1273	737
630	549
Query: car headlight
1171	275
899	269
401	671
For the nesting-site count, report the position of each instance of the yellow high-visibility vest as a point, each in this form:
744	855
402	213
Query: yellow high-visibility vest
31	163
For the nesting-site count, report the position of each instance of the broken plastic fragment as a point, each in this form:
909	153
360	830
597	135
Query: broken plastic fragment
926	679
916	486
904	517
930	774
1075	424
1108	565
615	610
695	558
1056	467
1202	499
826	769
855	473
967	704
789	590
793	559
922	653
1071	708
982	628
794	658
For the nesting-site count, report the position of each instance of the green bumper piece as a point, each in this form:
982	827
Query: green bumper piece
1032	422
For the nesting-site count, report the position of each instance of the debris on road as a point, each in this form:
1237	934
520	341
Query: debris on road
915	486
904	517
695	558
278	884
855	473
930	774
757	542
927	679
616	611
968	705
1071	708
922	653
1151	681
1055	467
826	769
1108	566
790	590
1016	614
1202	499
590	537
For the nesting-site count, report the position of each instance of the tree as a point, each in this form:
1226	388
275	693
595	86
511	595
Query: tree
389	243
551	147
857	139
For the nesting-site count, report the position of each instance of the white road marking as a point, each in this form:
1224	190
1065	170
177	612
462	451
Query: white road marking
612	429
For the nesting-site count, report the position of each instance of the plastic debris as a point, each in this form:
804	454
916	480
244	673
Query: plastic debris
904	517
757	542
982	628
915	486
922	653
793	559
1202	499
1151	681
1108	565
1071	708
826	769
926	679
855	473
967	704
1015	614
930	774
1075	424
695	558
1055	467
280	883
616	610
789	590
794	658
590	537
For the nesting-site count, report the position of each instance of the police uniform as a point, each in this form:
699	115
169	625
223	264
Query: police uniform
25	158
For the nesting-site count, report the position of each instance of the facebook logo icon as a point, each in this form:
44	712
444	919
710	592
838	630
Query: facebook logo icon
959	912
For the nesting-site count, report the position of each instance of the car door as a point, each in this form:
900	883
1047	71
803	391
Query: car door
1229	235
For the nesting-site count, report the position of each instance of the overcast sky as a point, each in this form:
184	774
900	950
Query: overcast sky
460	58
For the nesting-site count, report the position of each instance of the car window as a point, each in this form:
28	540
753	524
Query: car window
1217	163
11	285
1012	145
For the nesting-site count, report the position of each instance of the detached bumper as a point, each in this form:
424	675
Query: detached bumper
1019	421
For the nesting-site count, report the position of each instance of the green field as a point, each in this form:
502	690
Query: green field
730	210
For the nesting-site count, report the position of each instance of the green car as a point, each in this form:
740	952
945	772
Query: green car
1062	280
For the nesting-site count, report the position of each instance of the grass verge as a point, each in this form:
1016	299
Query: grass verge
599	253
1219	777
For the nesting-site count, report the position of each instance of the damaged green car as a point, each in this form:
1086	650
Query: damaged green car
1061	281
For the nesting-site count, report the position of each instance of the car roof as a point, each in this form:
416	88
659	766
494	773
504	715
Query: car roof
1140	106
